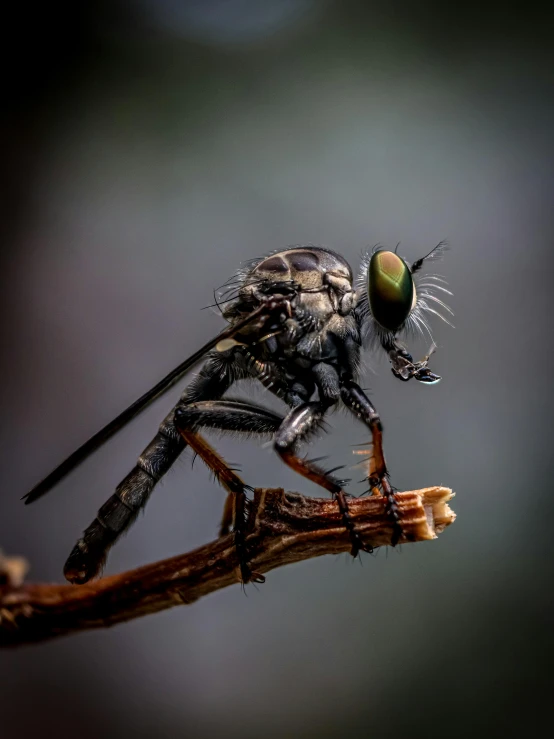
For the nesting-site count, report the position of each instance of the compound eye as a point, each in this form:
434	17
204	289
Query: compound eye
390	290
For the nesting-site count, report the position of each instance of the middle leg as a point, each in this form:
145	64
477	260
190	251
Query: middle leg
297	427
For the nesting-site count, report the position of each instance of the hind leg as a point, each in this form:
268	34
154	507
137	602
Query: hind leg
227	415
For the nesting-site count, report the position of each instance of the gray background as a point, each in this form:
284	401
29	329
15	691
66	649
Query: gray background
149	151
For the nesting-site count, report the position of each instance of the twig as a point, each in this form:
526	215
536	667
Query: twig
283	528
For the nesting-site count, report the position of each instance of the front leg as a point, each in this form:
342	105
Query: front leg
404	367
357	401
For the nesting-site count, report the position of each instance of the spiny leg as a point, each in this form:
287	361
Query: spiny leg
223	415
224	474
227	415
357	401
236	502
296	427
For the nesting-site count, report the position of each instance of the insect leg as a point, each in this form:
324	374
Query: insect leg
227	415
357	401
120	511
297	427
402	363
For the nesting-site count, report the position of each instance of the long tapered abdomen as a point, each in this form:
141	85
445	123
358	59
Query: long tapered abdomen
120	511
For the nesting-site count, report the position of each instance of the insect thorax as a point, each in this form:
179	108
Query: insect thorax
322	297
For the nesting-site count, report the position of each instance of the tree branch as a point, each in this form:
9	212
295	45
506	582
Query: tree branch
282	528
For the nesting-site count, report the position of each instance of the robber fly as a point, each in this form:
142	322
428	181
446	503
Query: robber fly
296	323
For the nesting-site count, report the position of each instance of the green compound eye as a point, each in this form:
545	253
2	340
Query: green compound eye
390	290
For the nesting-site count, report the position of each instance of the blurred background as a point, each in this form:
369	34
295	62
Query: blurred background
149	148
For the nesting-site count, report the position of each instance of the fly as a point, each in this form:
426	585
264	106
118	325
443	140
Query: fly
297	322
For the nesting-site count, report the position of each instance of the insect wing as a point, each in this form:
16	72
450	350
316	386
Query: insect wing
101	437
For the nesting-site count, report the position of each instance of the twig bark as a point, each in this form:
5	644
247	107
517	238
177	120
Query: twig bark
283	528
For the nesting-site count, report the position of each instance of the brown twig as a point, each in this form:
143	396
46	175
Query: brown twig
282	528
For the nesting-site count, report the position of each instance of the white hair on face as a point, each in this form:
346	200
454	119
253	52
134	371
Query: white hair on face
425	303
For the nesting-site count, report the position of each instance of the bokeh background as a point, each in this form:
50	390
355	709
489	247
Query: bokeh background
149	148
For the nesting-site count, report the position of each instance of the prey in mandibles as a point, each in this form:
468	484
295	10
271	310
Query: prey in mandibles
297	323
